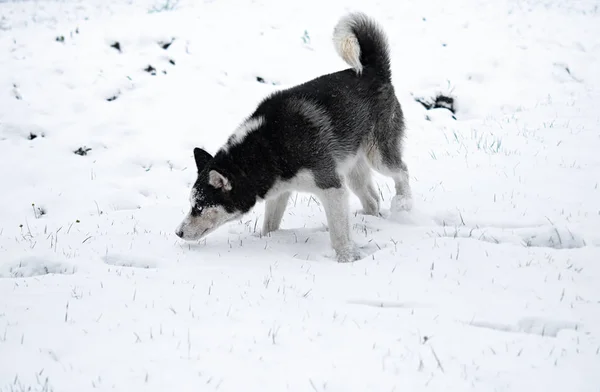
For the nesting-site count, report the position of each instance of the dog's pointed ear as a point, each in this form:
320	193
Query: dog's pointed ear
202	158
219	181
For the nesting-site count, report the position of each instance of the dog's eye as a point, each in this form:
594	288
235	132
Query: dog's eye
196	211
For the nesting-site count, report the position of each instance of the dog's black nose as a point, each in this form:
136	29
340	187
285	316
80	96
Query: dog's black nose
179	233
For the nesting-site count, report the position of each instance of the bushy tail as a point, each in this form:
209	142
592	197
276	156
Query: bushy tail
361	43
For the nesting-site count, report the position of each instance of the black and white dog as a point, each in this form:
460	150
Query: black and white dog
316	137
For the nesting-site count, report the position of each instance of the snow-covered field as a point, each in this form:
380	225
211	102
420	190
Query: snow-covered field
492	283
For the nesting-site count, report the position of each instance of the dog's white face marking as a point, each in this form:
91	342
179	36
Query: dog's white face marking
193	197
202	220
194	227
244	129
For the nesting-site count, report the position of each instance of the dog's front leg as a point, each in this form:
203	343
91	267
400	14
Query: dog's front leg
274	209
335	202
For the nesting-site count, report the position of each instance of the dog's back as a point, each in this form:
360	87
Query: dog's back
324	123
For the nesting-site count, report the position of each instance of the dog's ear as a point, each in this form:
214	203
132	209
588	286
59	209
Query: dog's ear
219	181
201	157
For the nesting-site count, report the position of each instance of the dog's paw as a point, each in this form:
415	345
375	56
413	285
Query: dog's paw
370	206
401	203
257	234
372	212
385	214
268	229
348	254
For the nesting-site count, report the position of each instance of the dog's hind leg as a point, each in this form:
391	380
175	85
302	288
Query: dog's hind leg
274	209
384	153
386	159
360	182
402	201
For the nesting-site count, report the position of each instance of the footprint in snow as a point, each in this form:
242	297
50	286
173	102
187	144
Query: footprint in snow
29	266
130	261
530	325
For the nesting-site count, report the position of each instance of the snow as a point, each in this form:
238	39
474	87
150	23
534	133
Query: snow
490	284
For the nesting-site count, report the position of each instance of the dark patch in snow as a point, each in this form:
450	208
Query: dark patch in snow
16	92
568	71
306	38
150	69
60	38
260	79
172	61
165	45
117	46
439	102
112	98
38	211
32	136
82	151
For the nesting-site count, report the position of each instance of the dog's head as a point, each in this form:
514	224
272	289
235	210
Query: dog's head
215	199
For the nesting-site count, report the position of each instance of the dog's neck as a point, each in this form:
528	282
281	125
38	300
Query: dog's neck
250	167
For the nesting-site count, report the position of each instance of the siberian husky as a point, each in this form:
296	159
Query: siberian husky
319	137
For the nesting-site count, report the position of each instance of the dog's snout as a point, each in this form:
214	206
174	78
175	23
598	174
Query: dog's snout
179	233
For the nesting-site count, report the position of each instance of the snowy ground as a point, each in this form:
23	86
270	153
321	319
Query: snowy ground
491	284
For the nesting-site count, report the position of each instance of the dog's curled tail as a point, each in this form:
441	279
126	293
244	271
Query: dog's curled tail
361	43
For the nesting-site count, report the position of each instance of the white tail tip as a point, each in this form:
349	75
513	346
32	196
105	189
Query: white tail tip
346	43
